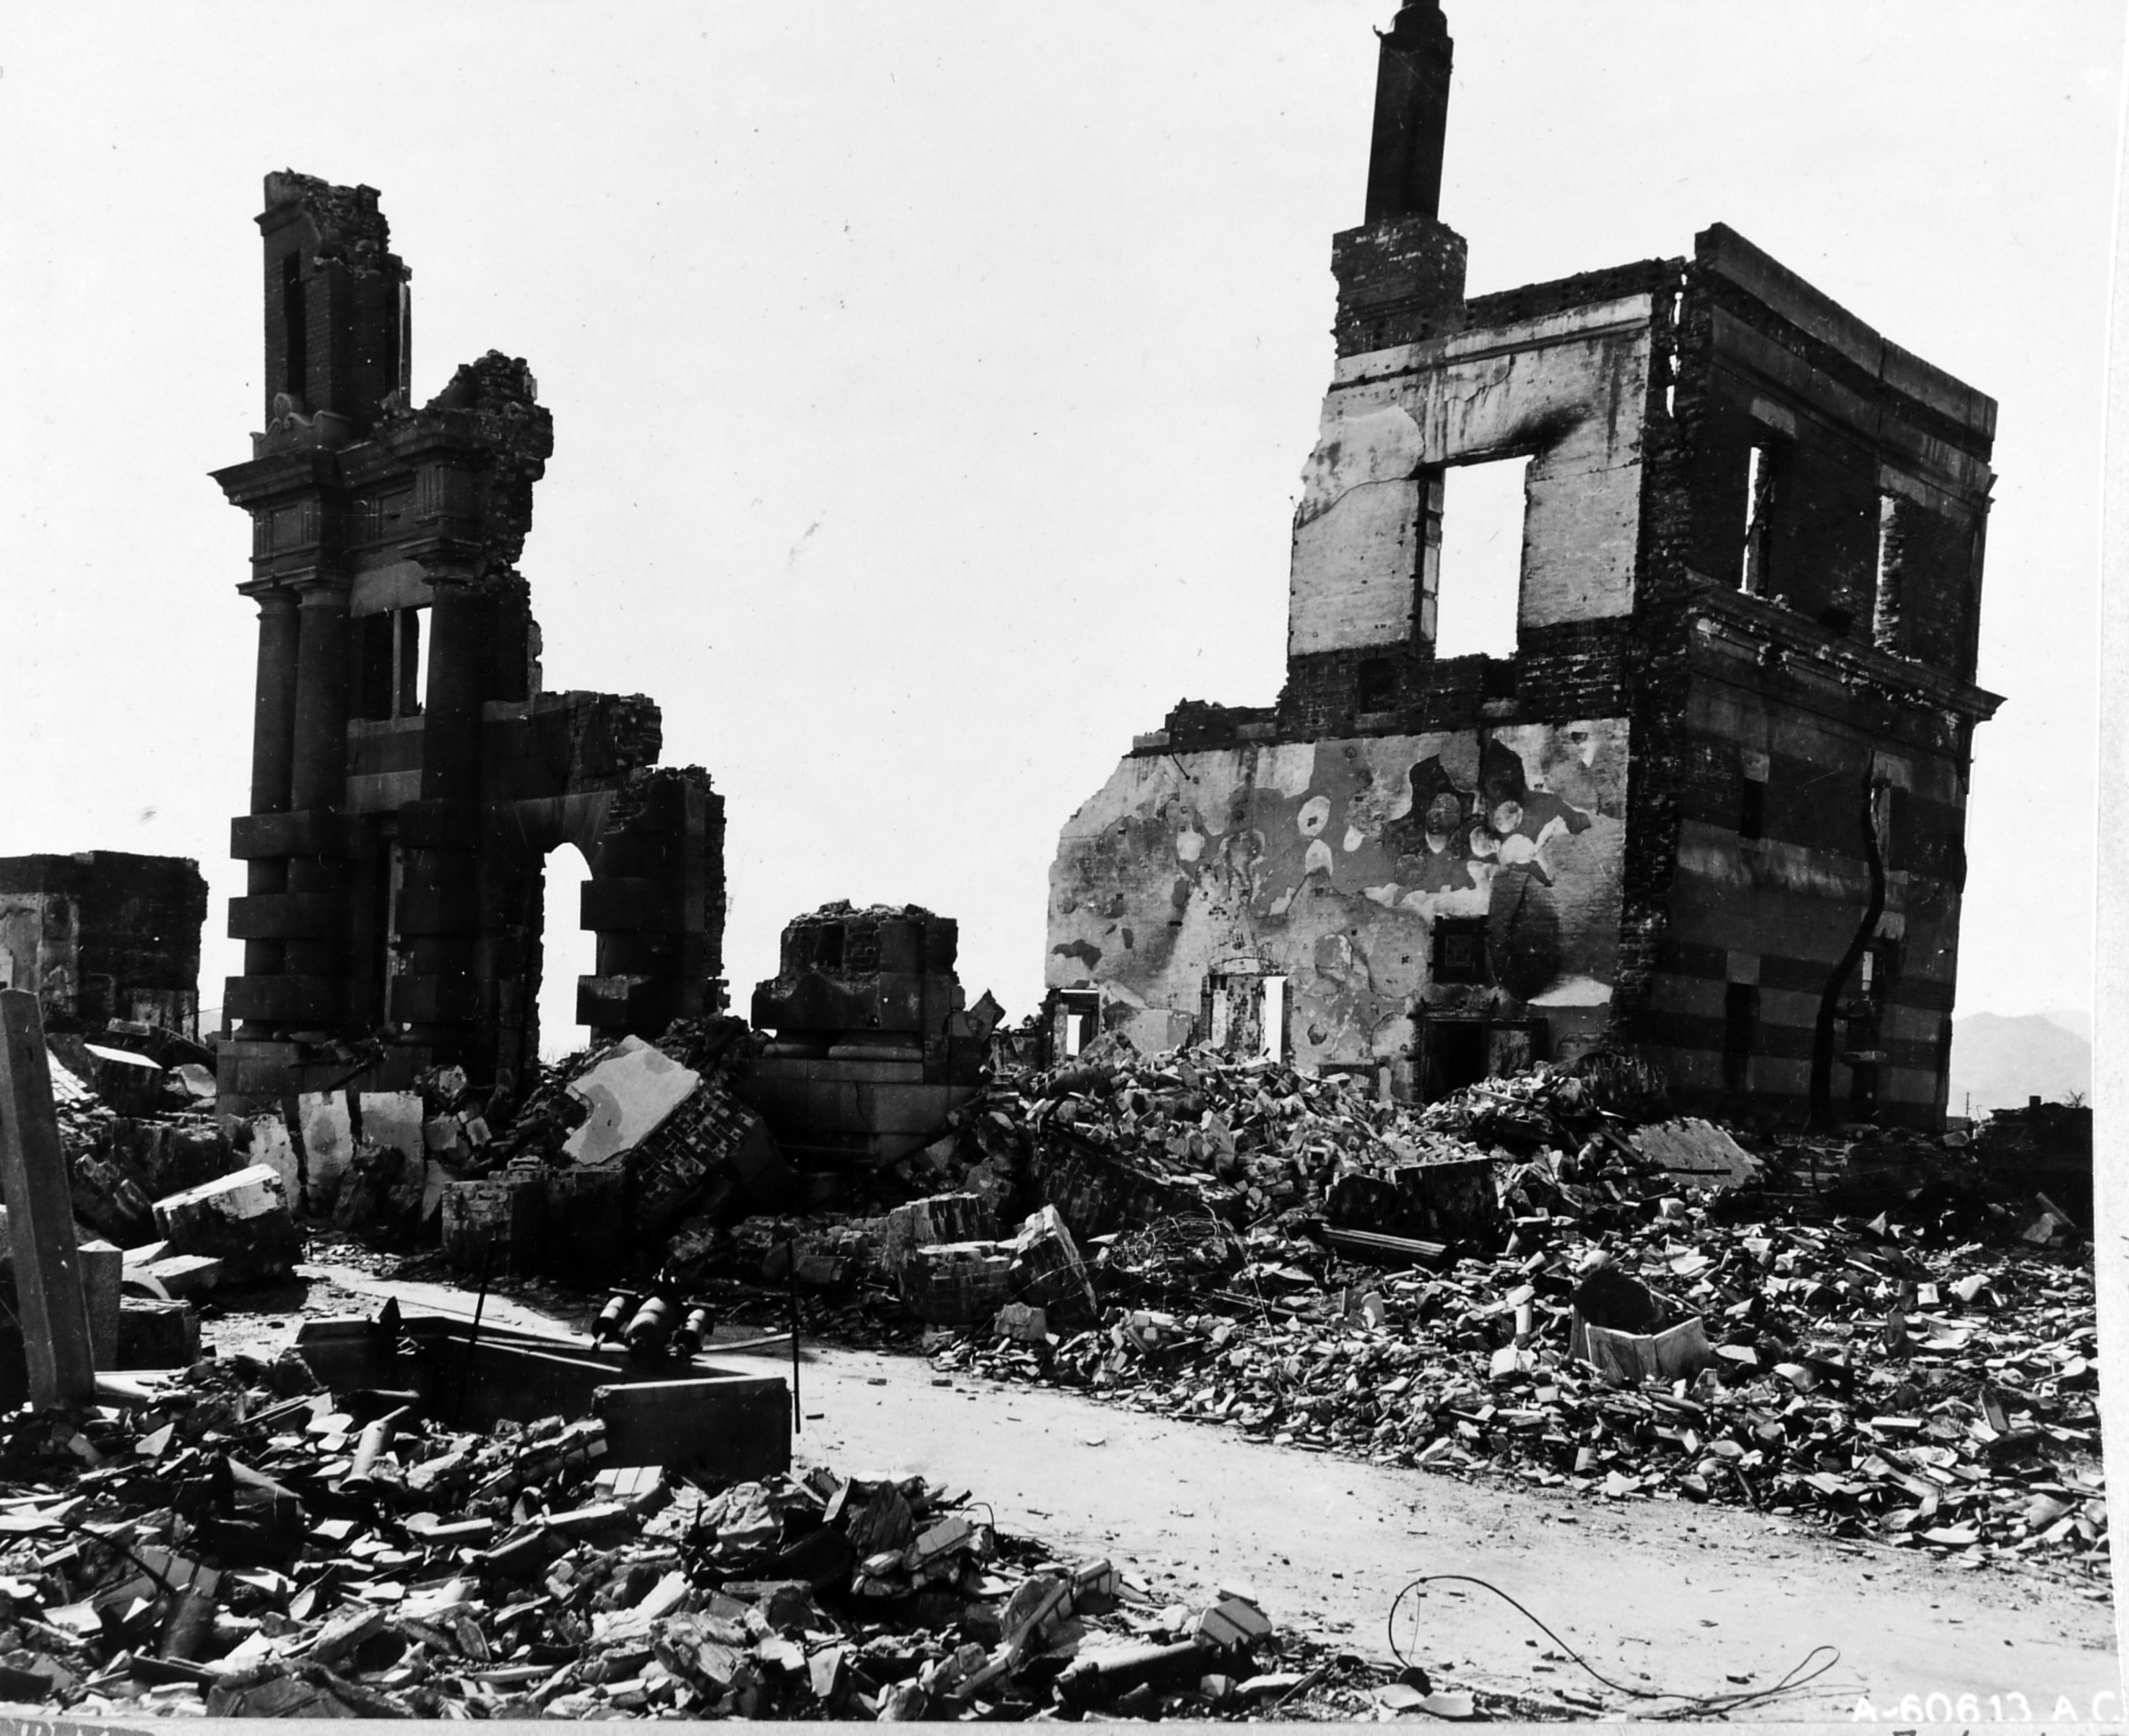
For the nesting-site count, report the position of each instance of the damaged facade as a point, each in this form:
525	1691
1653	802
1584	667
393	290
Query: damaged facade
104	934
1714	803
409	777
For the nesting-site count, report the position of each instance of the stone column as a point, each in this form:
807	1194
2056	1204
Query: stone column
442	920
272	748
318	774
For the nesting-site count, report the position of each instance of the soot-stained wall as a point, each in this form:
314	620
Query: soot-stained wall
1334	863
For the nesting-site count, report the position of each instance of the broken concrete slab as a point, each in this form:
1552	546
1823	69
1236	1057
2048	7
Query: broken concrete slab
181	1276
1677	1352
271	1145
327	1125
630	1093
242	1219
1698	1152
392	1119
737	1425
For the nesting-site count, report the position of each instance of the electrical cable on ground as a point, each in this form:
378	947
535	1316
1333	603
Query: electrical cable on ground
1696	1705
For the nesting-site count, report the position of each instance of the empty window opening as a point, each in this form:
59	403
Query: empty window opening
1752	808
568	950
1740	1031
294	327
828	947
1076	1021
1885	609
391	665
413	662
1376	686
1480	583
1752	575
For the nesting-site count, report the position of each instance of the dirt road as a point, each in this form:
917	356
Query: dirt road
1657	1595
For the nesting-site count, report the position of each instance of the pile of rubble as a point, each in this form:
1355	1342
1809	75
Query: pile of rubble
1925	1393
238	1543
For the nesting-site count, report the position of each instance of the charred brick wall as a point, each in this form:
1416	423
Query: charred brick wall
1748	587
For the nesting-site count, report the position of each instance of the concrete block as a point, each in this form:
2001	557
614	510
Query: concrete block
1232	1622
103	1272
730	1427
156	1334
242	1219
629	1094
183	1276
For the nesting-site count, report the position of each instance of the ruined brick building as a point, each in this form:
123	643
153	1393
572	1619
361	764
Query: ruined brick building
1713	805
104	934
408	776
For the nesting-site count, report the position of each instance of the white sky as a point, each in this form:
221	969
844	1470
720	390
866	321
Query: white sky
932	381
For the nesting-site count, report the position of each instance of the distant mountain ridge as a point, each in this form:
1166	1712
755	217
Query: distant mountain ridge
1998	1060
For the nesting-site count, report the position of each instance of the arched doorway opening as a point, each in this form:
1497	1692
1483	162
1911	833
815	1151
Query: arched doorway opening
567	951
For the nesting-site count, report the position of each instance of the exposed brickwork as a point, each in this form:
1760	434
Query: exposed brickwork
1584	289
1741	408
1398	283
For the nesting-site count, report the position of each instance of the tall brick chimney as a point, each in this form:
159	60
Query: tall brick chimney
1412	114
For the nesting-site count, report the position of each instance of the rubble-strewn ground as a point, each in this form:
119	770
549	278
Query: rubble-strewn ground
1655	1593
239	1542
1232	1327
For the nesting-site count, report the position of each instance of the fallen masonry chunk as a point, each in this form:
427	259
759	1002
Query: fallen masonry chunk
1022	1323
181	1275
630	1095
242	1219
950	1217
154	1333
957	1283
1232	1622
1046	1272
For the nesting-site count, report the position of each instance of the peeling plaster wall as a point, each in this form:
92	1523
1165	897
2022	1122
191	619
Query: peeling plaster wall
1331	861
1568	388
